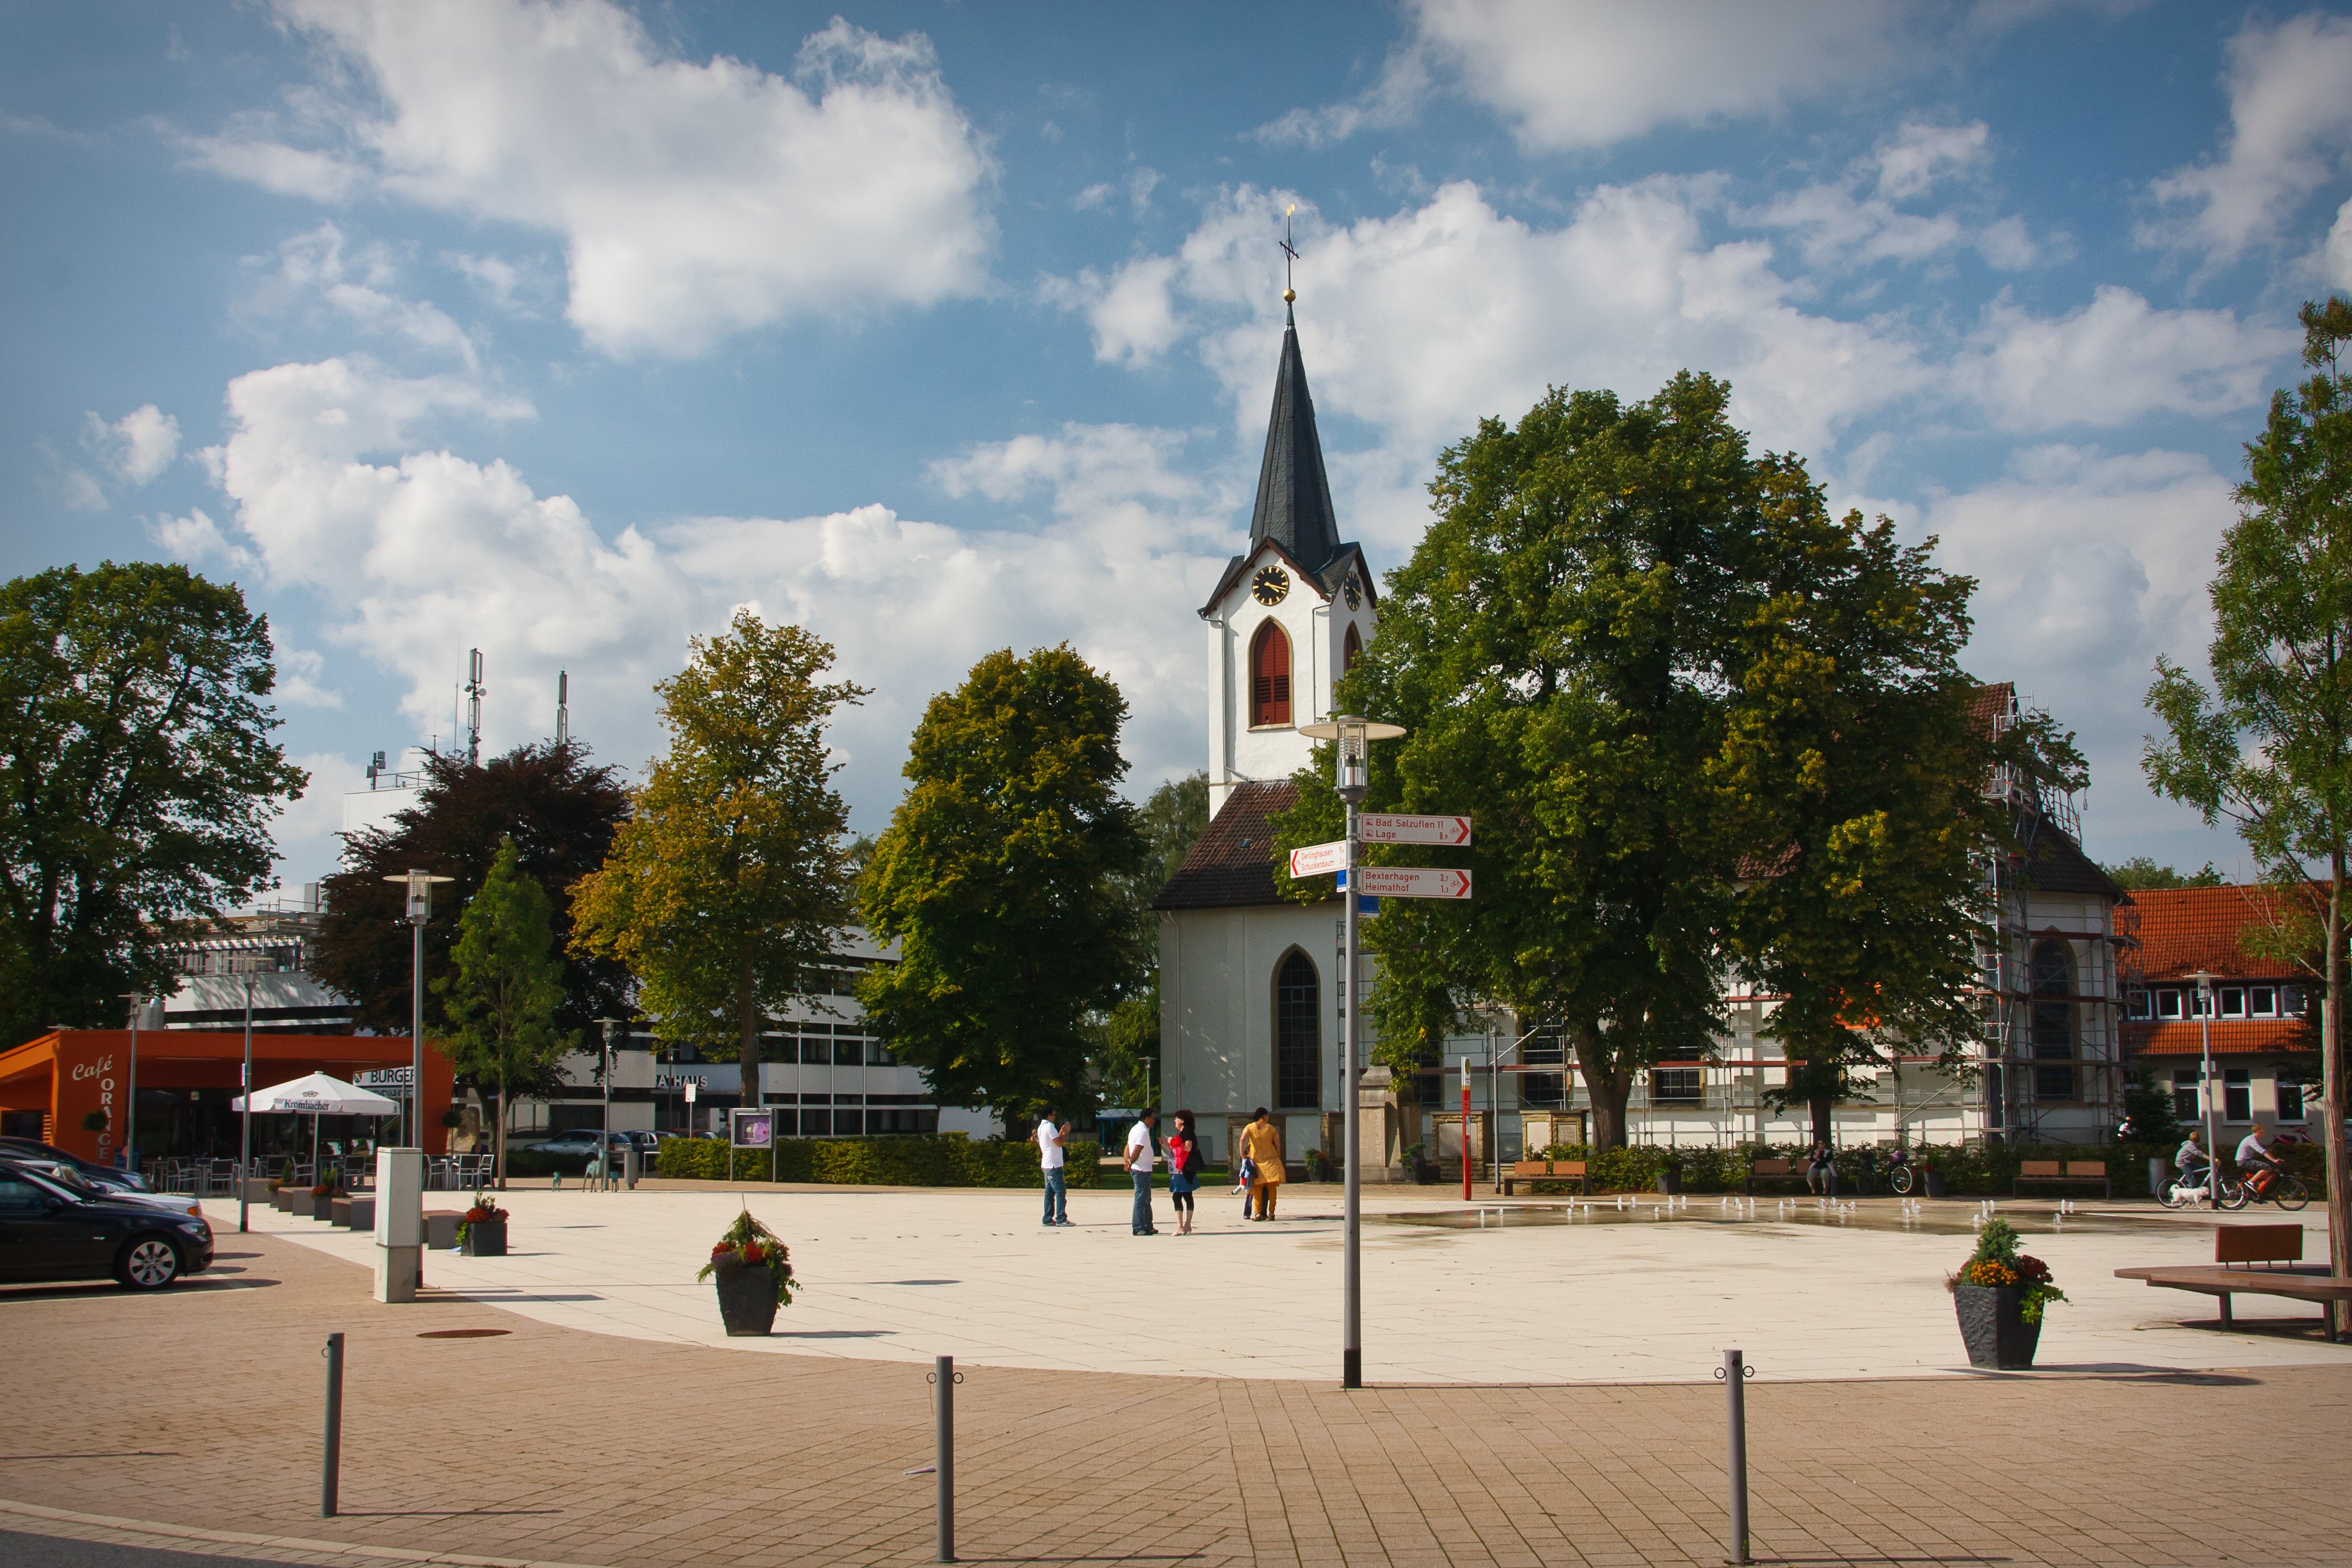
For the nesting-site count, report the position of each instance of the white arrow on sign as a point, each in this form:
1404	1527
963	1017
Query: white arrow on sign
1383	828
1411	882
1315	860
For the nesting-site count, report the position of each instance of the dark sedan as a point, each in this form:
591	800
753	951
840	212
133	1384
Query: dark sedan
49	1232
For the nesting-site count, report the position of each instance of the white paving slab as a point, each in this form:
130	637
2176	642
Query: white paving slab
906	1275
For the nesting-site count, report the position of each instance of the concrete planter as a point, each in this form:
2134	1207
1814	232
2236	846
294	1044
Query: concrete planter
485	1238
1670	1180
747	1298
304	1205
359	1213
281	1198
1993	1326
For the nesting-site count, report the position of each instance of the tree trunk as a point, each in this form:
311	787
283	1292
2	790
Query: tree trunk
747	1048
2332	1088
1607	1086
1824	1109
498	1137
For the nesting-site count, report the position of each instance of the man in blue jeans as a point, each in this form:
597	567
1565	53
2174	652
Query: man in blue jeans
1051	1136
1141	1154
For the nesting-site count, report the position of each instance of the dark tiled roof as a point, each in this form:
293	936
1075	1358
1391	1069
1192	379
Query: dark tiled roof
1992	703
1231	865
2056	863
2248	1036
2185	929
1294	495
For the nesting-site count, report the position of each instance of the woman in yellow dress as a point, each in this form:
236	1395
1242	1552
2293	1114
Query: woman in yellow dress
1262	1146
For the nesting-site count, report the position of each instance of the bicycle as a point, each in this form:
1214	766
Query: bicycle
2288	1192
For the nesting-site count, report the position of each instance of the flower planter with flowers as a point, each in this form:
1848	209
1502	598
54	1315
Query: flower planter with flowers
322	1200
1999	1295
754	1271
482	1233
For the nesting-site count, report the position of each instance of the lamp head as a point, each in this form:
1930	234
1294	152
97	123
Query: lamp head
420	894
1352	737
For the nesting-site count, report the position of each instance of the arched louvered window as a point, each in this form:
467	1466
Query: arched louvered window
2053	1023
1298	1034
1351	649
1269	676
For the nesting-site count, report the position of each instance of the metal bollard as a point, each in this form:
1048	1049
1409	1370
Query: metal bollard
331	1460
944	1375
1735	1374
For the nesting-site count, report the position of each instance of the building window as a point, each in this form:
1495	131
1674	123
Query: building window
2262	1001
2291	1002
2167	1004
2184	1093
1298	1035
1269	676
1543	1090
816	1049
2053	1023
1351	649
848	1050
2237	1094
1677	1085
2233	1002
2290	1096
2137	1003
1994	1099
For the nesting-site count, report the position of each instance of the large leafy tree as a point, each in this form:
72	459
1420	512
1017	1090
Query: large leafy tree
558	811
2269	748
504	986
1555	649
138	780
723	892
1855	766
1007	877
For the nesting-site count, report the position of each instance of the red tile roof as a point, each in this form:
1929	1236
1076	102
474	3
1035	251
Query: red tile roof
1232	863
2185	929
2230	1037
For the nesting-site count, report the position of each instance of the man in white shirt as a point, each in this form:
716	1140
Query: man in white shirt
2256	1159
1141	1154
1051	1136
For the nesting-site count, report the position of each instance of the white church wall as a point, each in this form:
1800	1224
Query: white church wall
1318	629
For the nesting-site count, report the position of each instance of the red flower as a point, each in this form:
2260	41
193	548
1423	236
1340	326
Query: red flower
755	1253
721	1251
2032	1270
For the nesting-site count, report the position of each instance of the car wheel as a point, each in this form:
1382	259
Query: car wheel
148	1263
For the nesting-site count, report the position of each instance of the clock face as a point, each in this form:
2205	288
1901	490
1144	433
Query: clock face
1354	591
1270	586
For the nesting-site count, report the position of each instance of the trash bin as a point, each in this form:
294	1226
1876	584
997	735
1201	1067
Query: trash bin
633	1159
2159	1171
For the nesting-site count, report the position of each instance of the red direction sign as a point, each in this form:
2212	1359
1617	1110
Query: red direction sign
1383	828
1410	882
1318	860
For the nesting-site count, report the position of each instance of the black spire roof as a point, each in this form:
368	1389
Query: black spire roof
1294	497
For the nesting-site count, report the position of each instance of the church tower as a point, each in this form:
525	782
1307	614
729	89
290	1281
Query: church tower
1292	611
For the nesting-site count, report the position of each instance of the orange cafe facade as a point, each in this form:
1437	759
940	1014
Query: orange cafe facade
186	1078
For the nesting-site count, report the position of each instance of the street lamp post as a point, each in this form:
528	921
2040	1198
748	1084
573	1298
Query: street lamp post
1351	776
245	1135
420	909
131	1111
604	1148
2204	978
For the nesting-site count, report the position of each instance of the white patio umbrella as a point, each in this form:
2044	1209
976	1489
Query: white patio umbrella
315	1096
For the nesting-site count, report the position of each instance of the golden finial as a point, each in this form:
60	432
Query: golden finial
1290	295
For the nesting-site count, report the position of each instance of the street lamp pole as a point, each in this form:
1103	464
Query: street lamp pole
131	1111
245	1137
420	910
1352	736
605	1149
2204	978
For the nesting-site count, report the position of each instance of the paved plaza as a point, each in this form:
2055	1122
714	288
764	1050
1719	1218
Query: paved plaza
1540	1395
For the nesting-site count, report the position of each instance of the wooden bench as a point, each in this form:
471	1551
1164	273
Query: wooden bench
1546	1170
2236	1250
2059	1173
1772	1170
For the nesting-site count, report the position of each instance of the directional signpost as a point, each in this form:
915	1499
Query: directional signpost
1360	885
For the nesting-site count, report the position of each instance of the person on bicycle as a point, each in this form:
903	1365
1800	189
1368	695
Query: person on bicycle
2191	1161
2255	1159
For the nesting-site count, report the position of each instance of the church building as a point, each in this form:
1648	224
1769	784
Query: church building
1248	982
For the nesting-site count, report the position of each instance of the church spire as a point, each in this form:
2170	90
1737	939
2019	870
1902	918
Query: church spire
1294	495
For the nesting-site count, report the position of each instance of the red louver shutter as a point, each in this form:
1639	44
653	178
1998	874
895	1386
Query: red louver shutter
1270	676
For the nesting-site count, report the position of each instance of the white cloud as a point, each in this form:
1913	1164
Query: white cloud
137	447
196	539
1132	312
1854	221
2336	254
2290	128
694	201
1568	74
358	289
2115	360
300	671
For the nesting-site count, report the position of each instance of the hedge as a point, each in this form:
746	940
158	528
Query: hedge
1970	1170
893	1160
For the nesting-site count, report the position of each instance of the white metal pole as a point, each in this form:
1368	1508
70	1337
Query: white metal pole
1352	1353
416	1034
131	1110
2212	1134
245	1140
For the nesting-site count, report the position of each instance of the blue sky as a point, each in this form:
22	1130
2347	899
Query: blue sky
561	330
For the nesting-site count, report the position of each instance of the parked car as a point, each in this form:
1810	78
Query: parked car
87	1181
33	1148
49	1231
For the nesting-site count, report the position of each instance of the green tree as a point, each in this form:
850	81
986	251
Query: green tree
1555	649
1004	877
557	809
2139	874
2269	748
503	990
138	780
1855	764
724	890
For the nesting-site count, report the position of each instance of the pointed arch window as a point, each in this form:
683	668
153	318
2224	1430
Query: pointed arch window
1298	1034
2053	1023
1350	650
1269	676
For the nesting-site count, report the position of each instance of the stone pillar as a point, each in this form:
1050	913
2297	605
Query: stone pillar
1383	1129
399	1223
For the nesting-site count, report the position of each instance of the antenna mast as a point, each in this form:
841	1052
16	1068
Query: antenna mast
563	707
474	708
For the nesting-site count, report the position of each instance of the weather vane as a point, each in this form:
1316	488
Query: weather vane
1289	254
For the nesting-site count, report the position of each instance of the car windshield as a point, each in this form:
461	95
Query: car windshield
62	1184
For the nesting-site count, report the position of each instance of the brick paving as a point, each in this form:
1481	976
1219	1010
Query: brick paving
199	1411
